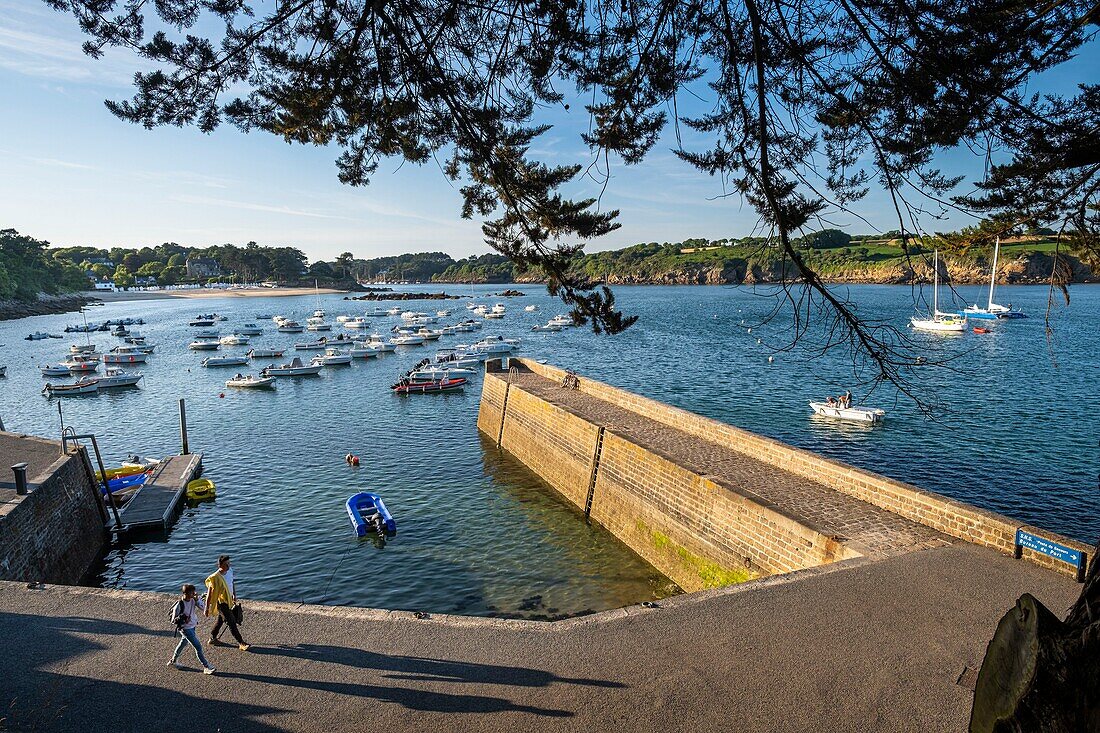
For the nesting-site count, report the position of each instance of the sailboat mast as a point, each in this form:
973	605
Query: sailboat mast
936	283
993	273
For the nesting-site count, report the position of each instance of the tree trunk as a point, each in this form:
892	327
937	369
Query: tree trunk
1040	674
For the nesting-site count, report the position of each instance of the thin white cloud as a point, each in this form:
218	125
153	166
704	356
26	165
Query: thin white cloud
248	206
61	163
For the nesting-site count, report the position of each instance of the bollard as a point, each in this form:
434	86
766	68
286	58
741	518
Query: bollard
20	470
183	427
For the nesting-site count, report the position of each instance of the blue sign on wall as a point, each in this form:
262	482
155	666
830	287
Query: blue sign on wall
1048	547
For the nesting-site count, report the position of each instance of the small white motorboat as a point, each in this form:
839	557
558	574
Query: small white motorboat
357	322
54	371
332	357
294	369
498	308
393	312
312	345
429	334
343	319
210	333
436	373
250	329
249	381
237	339
115	378
317	324
222	361
379	343
318	313
79	364
377	313
126	355
548	328
494	315
265	353
200	322
408	339
362	350
82	349
204	345
531	308
854	414
291	327
561	320
443	314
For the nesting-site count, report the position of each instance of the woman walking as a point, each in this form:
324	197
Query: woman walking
185	614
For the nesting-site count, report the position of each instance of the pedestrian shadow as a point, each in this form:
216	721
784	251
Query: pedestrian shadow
427	669
420	700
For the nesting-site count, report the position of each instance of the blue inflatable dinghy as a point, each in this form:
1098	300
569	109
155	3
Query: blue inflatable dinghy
368	513
125	482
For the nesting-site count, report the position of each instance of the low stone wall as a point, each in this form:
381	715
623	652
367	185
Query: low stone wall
54	534
954	518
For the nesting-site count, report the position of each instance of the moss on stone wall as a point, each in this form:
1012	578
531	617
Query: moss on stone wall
711	574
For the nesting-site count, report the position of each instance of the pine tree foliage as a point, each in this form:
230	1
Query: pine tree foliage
813	103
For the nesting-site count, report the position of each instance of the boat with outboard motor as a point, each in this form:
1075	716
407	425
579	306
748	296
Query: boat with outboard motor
236	339
204	345
222	361
265	353
332	357
81	364
54	371
294	369
408	386
290	327
321	343
250	329
65	390
249	381
837	410
368	513
114	378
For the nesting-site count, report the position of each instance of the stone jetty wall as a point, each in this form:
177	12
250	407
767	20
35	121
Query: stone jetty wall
697	529
53	534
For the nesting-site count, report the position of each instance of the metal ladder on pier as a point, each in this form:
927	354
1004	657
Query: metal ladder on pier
70	435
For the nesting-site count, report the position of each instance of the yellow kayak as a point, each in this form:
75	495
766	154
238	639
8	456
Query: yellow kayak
201	488
123	471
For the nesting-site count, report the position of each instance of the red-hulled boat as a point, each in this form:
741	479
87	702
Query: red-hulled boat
406	386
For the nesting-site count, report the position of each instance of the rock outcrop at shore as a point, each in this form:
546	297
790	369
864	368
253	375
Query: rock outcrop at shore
403	296
43	305
1033	269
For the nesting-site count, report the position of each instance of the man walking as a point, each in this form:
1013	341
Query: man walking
221	597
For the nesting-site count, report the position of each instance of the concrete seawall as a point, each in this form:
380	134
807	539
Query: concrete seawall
709	504
54	533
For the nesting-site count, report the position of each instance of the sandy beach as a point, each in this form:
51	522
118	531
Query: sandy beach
111	297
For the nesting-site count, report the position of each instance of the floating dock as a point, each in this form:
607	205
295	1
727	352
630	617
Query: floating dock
154	507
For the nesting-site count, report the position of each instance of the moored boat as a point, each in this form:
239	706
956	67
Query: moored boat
204	345
265	353
81	363
854	414
407	386
938	321
317	345
250	329
368	513
249	381
294	369
76	388
993	310
126	355
332	357
54	371
220	361
236	339
291	327
115	378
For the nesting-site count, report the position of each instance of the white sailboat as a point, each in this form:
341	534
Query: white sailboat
993	310
939	322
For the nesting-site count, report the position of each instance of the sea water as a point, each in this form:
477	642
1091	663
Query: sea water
1014	430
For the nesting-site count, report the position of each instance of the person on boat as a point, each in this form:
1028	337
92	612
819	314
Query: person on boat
186	616
831	401
221	597
847	402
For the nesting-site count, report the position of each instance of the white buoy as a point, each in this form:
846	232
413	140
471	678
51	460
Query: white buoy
750	330
759	340
771	359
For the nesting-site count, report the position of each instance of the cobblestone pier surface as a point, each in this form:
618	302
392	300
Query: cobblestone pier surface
853	646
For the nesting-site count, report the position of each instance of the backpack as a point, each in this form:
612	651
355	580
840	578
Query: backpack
178	617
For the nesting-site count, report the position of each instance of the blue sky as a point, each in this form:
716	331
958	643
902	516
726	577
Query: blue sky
75	174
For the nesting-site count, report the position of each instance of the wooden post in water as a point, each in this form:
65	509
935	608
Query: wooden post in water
183	427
